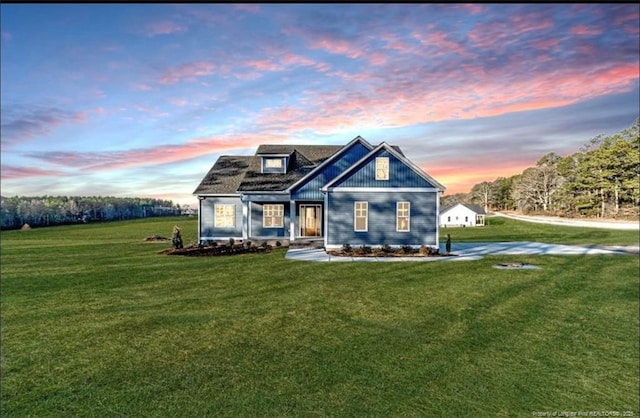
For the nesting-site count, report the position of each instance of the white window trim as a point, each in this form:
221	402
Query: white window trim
379	160
408	217
355	216
279	209
225	216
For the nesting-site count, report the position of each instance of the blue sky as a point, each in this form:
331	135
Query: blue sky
140	100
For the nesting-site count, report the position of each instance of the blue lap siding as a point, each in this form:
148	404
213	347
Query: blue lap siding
207	218
258	231
382	219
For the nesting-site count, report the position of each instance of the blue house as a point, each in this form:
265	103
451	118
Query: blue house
356	194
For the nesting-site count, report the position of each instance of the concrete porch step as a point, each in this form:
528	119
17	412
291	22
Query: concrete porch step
307	243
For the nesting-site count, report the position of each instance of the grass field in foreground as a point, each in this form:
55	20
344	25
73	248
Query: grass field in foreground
96	323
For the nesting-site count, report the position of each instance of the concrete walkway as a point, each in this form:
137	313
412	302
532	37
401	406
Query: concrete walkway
471	251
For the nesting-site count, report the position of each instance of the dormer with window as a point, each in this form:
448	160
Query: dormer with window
275	163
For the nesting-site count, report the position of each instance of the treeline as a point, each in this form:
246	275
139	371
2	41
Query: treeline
59	210
601	180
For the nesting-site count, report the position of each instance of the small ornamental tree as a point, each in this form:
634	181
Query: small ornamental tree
176	239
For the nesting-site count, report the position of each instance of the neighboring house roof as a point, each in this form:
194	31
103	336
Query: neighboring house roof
471	206
225	176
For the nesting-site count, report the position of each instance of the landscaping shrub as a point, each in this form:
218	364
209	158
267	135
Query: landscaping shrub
406	249
363	250
176	240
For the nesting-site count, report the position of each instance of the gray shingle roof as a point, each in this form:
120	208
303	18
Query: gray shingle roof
303	158
231	174
225	176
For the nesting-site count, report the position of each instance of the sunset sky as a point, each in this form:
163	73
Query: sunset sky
140	100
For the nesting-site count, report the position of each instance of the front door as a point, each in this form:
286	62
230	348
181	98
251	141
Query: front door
310	220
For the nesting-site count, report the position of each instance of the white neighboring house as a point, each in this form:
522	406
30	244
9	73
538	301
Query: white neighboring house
462	214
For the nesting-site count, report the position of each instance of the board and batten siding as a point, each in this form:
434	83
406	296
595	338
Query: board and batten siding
256	229
400	175
382	219
207	218
310	190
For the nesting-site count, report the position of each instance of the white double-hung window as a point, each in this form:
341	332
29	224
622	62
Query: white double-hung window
360	216
273	216
403	214
382	168
224	216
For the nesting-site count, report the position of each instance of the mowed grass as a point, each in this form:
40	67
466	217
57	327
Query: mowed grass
96	323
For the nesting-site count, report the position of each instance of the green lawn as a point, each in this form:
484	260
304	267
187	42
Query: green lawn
96	323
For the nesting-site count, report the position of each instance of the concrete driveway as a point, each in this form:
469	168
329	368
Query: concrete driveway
471	251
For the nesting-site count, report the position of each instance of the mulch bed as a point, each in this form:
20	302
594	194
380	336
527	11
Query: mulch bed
205	251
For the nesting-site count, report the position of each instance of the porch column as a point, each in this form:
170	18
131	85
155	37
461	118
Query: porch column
200	199
292	222
245	220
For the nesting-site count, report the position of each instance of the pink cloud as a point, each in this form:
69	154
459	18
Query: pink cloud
582	30
396	44
377	58
263	65
489	35
188	72
545	44
17	173
349	50
528	22
163	28
439	40
337	47
163	154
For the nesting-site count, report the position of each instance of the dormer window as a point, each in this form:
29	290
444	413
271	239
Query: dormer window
382	168
274	164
